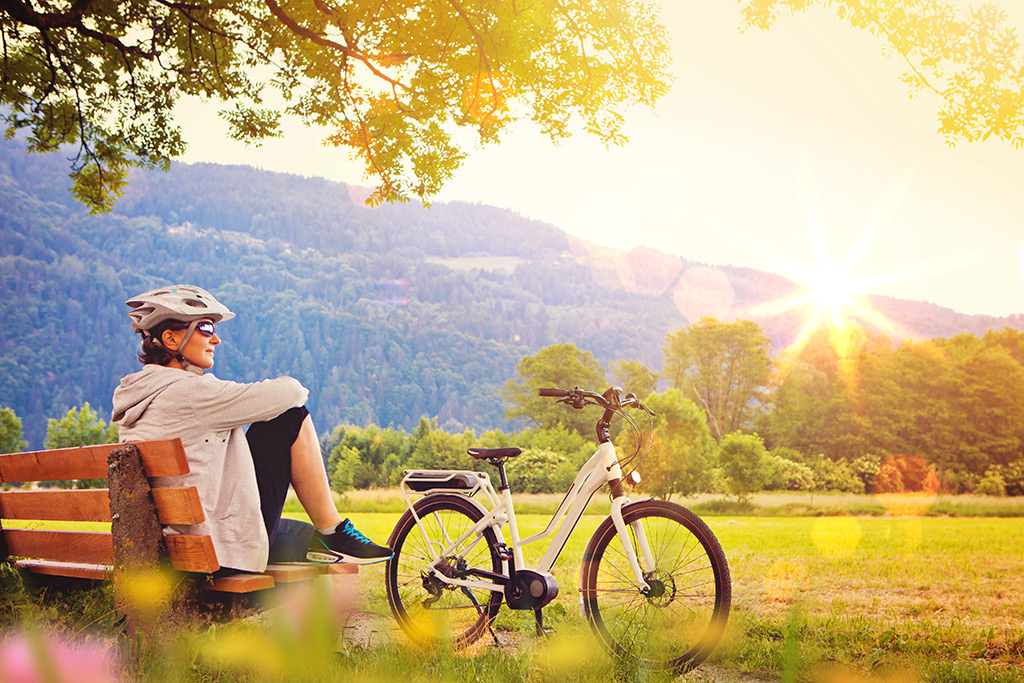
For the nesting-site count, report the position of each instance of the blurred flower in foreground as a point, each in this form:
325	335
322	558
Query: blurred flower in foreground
41	658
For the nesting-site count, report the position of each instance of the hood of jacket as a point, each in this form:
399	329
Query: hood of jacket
136	391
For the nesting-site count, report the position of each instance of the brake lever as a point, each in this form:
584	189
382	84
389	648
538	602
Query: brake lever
631	399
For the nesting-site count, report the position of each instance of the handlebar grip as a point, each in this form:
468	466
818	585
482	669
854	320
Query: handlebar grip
550	391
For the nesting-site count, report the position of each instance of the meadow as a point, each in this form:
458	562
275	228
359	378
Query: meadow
842	598
833	597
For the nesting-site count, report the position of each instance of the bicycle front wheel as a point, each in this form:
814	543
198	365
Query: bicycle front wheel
429	610
677	621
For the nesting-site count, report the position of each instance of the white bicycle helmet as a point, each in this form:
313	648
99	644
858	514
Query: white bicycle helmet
180	303
184	303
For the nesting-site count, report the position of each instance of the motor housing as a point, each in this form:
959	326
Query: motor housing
530	590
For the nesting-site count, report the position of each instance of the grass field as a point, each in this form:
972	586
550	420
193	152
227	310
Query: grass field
772	504
815	598
929	598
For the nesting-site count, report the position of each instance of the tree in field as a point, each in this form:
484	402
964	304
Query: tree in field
435	449
395	81
368	457
958	402
80	427
10	432
813	402
723	367
969	59
633	376
744	462
682	453
560	366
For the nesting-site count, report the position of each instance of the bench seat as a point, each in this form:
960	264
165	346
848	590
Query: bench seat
90	554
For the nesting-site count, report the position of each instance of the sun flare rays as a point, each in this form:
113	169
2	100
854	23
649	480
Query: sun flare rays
832	295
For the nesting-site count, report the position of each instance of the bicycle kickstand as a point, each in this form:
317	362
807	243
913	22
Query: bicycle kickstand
542	630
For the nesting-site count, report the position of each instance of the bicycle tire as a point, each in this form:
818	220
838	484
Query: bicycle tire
428	611
679	621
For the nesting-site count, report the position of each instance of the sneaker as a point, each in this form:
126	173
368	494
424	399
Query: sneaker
346	544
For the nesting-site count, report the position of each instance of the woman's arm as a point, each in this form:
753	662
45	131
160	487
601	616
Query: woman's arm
226	405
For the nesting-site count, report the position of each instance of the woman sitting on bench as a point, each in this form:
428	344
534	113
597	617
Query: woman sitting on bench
242	477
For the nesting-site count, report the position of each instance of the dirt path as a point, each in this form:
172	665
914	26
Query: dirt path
365	630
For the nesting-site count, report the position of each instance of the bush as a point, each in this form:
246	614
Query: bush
832	475
991	484
888	480
905	473
866	469
540	472
1013	477
787	475
955	482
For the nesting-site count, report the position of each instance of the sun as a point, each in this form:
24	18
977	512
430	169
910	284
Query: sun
830	296
832	292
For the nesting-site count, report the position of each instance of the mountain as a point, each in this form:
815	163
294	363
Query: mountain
386	314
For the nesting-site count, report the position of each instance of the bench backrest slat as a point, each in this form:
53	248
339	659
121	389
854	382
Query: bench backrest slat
161	459
89	547
174	505
192	553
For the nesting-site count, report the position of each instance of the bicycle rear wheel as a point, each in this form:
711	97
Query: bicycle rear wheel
678	621
430	611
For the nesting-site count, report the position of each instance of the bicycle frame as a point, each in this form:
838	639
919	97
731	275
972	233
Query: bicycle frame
600	469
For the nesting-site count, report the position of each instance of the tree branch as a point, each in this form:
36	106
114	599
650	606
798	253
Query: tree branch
22	12
319	39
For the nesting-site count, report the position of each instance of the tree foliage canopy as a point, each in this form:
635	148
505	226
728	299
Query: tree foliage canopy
10	432
394	80
80	427
722	367
682	452
969	58
744	462
560	366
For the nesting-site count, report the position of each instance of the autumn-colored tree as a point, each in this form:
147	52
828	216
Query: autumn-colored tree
393	80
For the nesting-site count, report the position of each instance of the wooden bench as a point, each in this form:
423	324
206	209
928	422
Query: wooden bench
135	509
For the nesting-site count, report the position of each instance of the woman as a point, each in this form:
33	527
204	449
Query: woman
242	478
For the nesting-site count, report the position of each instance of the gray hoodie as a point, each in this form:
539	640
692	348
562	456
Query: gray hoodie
208	414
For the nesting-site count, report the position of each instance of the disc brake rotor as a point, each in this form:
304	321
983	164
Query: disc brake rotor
662	589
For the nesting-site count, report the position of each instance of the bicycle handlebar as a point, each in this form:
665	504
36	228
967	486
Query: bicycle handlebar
612	399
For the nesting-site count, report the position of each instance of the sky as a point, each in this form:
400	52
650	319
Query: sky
795	150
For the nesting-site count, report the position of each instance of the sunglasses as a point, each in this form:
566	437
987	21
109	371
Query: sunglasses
205	328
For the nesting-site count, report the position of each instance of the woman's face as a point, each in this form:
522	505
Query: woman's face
198	350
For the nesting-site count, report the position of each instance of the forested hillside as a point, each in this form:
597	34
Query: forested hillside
386	314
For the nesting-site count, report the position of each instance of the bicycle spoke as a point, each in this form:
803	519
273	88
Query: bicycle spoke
428	608
673	621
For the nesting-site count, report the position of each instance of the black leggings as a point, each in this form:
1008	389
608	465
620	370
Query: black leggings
271	445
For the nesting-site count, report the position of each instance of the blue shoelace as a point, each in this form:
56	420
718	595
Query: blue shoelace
348	528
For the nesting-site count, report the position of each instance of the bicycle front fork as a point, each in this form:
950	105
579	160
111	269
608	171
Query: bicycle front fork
639	540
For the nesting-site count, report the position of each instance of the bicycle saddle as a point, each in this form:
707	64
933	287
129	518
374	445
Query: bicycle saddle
494	453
